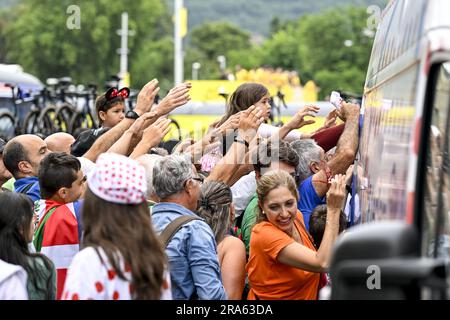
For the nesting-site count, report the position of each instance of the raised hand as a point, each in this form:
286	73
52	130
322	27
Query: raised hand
348	110
331	118
336	194
249	122
157	131
231	123
146	97
183	145
250	118
299	121
137	126
349	175
177	96
208	143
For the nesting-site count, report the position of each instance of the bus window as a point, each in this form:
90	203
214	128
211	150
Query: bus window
436	224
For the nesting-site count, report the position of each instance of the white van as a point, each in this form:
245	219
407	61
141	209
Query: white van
400	245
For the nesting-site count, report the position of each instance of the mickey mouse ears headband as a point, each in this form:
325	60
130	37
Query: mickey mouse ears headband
114	93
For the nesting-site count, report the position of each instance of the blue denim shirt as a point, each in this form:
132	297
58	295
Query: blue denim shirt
308	200
193	262
34	193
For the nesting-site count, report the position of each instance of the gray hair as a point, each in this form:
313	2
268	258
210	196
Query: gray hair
169	175
308	151
148	162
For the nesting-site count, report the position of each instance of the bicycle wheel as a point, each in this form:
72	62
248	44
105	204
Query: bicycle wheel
30	124
7	125
63	116
47	122
175	126
81	121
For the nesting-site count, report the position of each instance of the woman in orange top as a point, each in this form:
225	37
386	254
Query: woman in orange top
283	263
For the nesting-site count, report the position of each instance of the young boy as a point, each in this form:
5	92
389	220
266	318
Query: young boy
317	222
58	235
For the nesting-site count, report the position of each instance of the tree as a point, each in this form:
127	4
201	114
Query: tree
249	58
218	38
154	60
340	58
281	50
40	41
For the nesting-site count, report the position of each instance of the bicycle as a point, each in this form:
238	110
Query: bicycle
11	123
56	115
84	118
8	127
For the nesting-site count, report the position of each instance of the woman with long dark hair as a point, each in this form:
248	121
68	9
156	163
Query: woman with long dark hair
16	232
122	258
248	94
216	207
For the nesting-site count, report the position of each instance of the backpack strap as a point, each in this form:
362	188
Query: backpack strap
39	234
173	227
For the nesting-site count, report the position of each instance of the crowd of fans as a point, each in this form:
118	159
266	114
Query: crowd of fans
249	211
268	76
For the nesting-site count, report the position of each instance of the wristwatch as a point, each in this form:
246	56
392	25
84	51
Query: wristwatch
240	140
131	115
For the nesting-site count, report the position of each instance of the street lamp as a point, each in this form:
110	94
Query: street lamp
222	62
348	43
195	67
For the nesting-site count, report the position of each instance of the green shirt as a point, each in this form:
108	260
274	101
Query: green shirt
9	185
248	221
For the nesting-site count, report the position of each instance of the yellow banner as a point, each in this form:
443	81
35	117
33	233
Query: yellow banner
183	22
210	90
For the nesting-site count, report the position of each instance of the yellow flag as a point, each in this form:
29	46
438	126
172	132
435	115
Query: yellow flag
183	22
126	80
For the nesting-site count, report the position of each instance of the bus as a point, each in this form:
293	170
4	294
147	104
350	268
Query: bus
401	185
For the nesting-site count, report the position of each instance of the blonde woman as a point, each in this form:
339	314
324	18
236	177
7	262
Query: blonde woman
283	262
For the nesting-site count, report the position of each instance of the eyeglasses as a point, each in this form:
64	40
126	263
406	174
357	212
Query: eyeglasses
200	180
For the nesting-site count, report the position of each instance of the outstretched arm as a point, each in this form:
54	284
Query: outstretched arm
346	149
298	121
249	122
144	102
151	137
299	256
122	146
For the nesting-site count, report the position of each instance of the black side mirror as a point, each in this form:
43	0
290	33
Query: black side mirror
381	260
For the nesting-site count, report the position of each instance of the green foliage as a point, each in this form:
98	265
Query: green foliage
212	39
281	50
248	58
330	62
34	34
40	41
154	60
209	67
255	15
218	38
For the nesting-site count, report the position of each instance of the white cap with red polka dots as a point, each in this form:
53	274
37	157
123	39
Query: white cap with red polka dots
118	179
